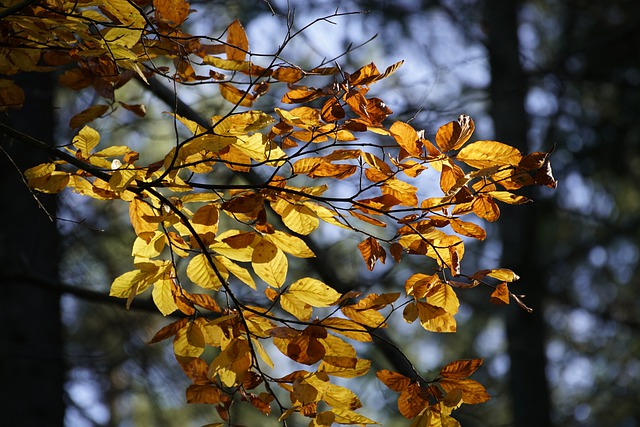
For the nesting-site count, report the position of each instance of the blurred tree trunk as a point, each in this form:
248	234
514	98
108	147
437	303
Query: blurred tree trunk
525	332
31	358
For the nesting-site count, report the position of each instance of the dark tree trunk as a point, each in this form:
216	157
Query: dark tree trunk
525	332
31	357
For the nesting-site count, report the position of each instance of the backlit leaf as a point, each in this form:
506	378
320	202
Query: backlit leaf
482	154
371	251
313	292
163	297
237	42
453	135
500	295
407	138
269	263
171	11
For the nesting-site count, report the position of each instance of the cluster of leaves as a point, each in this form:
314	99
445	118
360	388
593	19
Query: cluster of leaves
208	250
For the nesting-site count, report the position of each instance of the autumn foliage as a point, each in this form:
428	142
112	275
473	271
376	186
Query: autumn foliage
202	245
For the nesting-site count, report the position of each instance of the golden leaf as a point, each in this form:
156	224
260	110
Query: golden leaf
269	263
235	95
298	218
313	292
86	140
453	135
467	229
202	274
483	154
435	319
502	274
138	210
407	138
290	244
163	297
348	328
472	391
501	294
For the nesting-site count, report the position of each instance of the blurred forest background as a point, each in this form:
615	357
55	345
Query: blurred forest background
535	74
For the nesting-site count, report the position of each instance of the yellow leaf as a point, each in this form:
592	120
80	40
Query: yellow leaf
508	197
405	193
241	124
344	416
482	154
348	328
259	148
149	249
227	64
189	341
297	217
163	297
86	140
269	263
313	292
262	353
302	117
467	229
122	178
301	310
241	273
435	319
361	367
202	274
138	210
442	295
290	244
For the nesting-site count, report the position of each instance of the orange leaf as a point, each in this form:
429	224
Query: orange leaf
237	42
472	391
501	294
407	138
287	74
460	368
485	208
453	135
468	229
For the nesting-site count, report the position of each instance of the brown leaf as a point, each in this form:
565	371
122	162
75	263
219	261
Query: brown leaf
371	251
171	11
168	331
393	380
88	115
